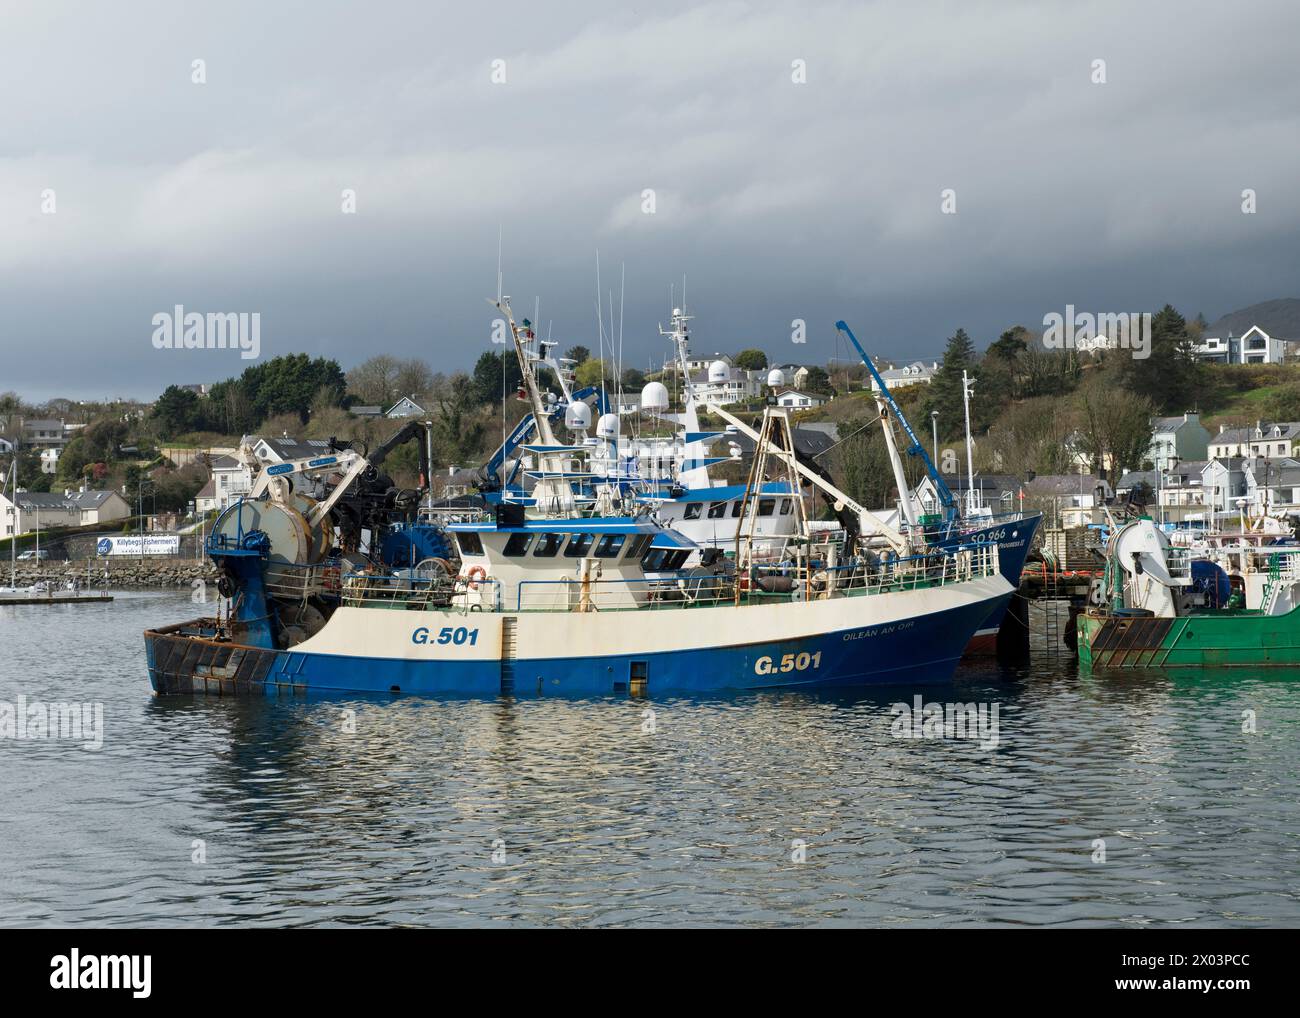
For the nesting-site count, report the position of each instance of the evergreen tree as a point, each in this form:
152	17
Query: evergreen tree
945	393
1171	377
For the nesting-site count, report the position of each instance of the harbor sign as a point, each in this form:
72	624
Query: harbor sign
137	544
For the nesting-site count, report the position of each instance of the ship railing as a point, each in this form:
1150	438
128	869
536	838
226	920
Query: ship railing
289	581
760	584
404	592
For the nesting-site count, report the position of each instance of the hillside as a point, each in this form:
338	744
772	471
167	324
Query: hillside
1279	318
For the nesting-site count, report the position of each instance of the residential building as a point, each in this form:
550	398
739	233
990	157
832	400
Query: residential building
1000	492
1223	481
723	383
277	450
1274	441
1229	442
44	433
28	511
404	407
1178	438
1254	346
916	373
1069	500
799	400
1272	485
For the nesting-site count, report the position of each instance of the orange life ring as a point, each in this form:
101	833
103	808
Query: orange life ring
475	576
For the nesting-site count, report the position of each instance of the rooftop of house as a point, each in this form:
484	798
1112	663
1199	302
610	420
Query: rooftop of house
1174	423
73	500
1064	484
295	448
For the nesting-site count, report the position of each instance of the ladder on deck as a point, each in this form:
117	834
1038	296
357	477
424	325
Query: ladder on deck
509	651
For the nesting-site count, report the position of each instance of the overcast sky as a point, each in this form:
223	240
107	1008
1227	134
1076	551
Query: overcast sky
776	200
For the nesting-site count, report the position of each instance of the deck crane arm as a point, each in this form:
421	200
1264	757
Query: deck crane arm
941	488
895	538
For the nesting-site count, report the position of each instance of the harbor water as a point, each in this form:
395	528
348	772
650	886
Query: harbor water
1125	800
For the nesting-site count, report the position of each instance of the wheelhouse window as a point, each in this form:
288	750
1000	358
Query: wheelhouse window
653	560
579	545
735	509
693	510
548	545
610	545
518	544
638	545
786	506
469	543
766	506
717	510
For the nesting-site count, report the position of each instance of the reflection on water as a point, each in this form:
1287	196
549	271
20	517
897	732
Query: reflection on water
593	819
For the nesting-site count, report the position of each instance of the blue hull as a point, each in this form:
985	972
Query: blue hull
921	650
1014	539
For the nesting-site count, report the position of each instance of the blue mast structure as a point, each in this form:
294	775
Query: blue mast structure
916	448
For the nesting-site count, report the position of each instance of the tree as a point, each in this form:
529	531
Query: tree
1031	436
818	381
590	372
578	354
1171	376
1115	427
632	380
751	360
374	381
176	412
945	392
494	374
458	425
1010	345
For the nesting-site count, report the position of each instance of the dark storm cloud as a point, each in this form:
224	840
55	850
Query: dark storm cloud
776	200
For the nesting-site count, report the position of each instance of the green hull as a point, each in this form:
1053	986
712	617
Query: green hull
1222	639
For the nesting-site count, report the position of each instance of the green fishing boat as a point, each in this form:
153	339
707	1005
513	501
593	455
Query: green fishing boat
1158	607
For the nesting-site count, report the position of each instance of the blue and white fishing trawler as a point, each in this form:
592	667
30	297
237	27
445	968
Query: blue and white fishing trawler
953	524
578	592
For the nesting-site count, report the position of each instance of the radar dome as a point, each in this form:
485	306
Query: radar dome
607	427
719	372
654	396
577	416
776	378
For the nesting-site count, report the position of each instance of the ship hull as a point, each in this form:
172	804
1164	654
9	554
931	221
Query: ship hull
1221	640
901	638
1014	540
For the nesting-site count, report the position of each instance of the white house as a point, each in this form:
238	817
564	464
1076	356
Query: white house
1254	346
799	400
404	407
916	373
44	433
723	383
1229	442
28	511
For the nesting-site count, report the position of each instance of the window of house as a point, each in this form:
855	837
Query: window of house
518	544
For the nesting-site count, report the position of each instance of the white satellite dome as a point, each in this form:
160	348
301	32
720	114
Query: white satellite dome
719	372
654	396
607	427
577	416
776	378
